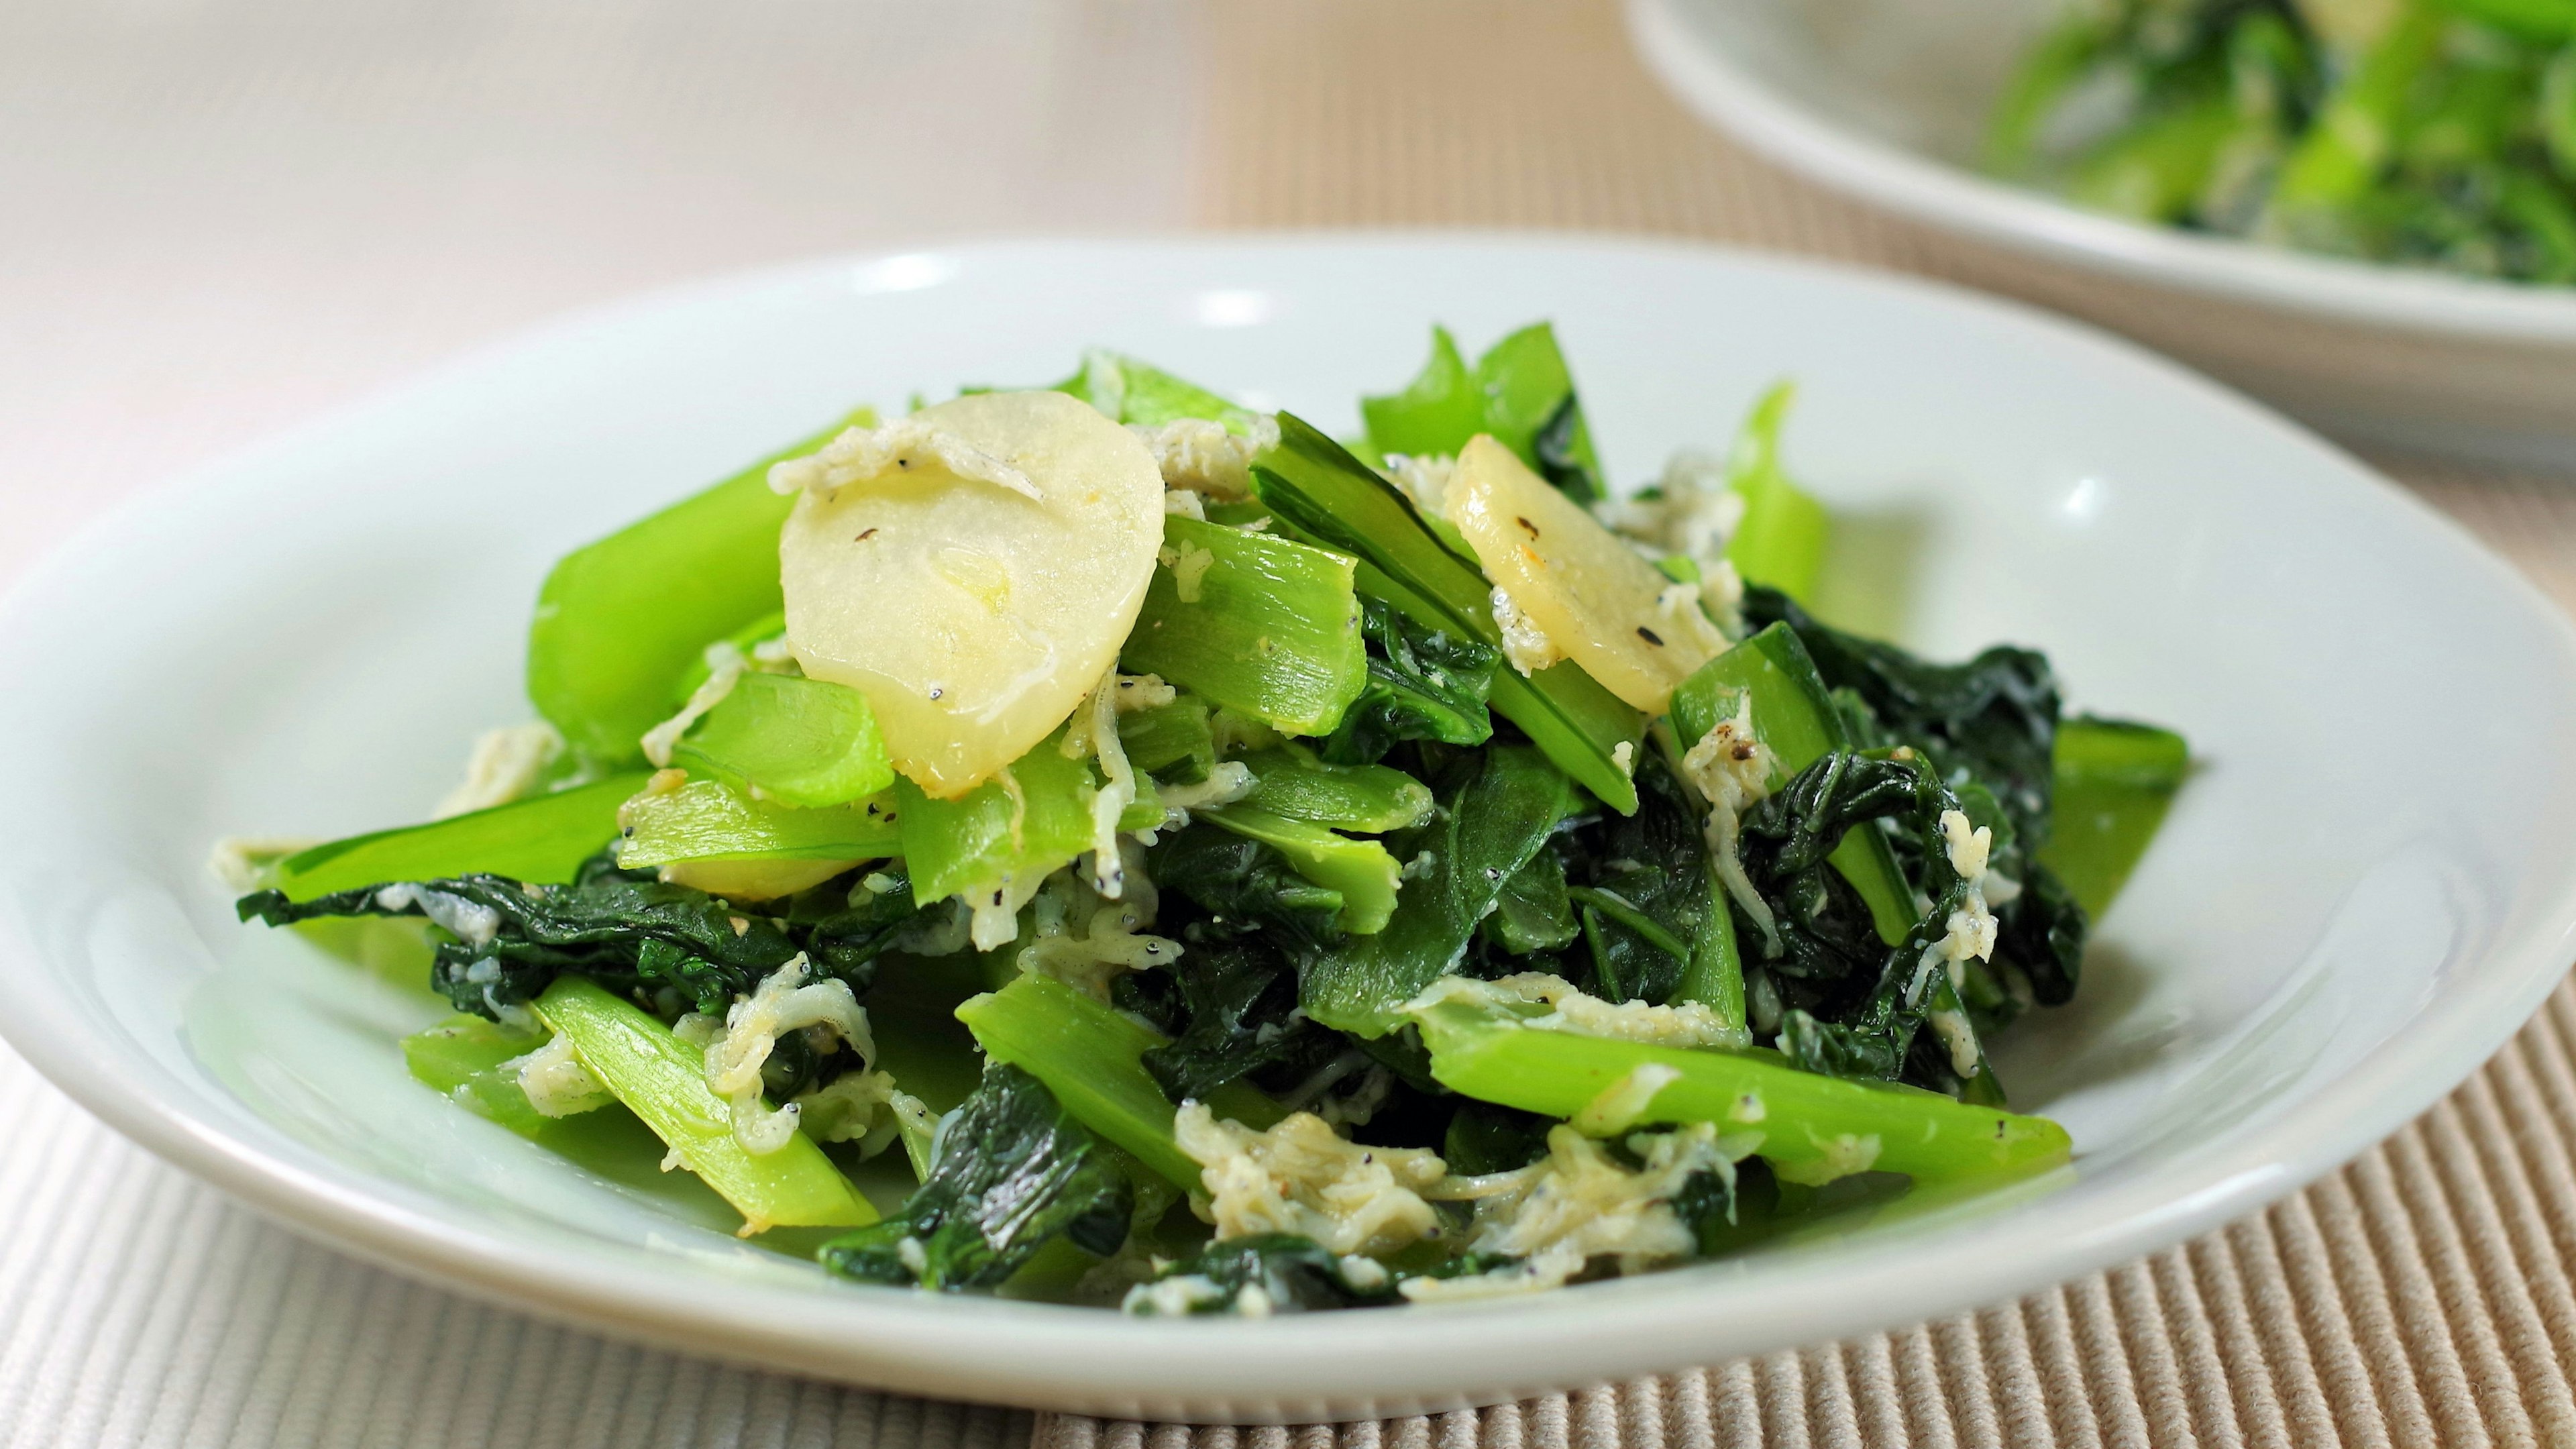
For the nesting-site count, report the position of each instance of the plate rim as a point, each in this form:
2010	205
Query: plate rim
1714	86
931	1345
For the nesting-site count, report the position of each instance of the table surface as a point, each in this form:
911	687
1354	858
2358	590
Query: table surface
230	215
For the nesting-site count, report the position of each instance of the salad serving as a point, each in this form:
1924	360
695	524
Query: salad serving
1109	844
2433	133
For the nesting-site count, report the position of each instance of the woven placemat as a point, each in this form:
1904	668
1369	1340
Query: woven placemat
2419	1296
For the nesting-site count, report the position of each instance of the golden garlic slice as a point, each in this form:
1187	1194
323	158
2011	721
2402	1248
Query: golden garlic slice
972	569
1598	602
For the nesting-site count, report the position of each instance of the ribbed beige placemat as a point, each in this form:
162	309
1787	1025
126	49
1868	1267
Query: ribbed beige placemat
2420	1296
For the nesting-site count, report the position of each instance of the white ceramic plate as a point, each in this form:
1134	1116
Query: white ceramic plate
1886	100
2367	888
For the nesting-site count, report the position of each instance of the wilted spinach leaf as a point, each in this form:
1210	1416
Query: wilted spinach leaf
1241	886
1423	684
1014	1172
624	929
1994	717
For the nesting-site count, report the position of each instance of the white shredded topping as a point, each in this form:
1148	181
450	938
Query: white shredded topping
1185	503
993	911
1201	456
1424	480
725	668
1680	1024
1625	1102
1695	516
1086	939
471	922
853	1107
1624	755
504	767
1143	691
1226	783
1189	564
906	445
1844	1155
1578	1203
1731	768
1175	1296
782	1003
555	1081
1301	1177
1968	934
1525	644
1094	732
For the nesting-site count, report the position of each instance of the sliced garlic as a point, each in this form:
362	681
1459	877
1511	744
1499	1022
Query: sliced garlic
973	575
1579	584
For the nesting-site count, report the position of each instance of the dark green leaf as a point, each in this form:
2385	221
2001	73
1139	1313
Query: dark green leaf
1423	684
1014	1172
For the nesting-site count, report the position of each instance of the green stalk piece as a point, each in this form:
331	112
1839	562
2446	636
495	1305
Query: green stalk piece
1794	717
1362	799
464	1059
618	620
1362	870
1520	392
460	1059
1319	492
1092	1059
1713	975
1144	395
1813	1127
985	837
1170	739
543	839
998	833
798	741
1266	626
2114	781
1781	539
708	820
662	1079
1497	821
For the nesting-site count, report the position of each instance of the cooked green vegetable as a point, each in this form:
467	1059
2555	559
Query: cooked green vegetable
1320	492
619	620
1013	1174
2431	133
1267	626
511	940
1794	717
1000	836
662	1079
1364	799
544	839
1092	1058
1808	1122
1424	683
2115	780
1495	815
791	739
1359	871
1521	392
1306	902
705	820
1781	539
